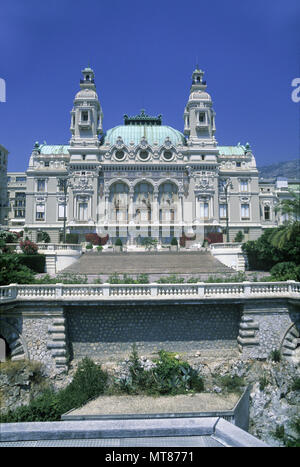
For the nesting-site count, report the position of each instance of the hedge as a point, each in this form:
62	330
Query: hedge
71	238
34	262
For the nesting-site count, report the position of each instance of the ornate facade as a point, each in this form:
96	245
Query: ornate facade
145	179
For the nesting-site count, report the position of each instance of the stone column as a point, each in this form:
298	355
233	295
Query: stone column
130	208
155	208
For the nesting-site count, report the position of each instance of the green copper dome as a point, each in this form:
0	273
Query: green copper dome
143	126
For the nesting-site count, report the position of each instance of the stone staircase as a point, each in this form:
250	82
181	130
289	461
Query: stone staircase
196	262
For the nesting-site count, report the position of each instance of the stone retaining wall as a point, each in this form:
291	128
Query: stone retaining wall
107	331
54	332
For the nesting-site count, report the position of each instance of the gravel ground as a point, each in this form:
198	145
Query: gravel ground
114	405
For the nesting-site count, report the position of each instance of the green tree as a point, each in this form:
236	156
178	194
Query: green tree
289	207
13	272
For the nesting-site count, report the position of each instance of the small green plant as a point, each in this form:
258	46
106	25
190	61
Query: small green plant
193	280
99	248
169	375
296	387
172	279
263	382
149	243
118	242
239	237
239	277
279	432
89	246
174	241
275	355
231	383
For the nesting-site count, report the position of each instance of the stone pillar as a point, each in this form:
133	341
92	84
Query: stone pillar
130	208
155	208
179	209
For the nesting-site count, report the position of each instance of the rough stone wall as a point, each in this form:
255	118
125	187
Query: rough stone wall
35	332
55	334
106	331
263	326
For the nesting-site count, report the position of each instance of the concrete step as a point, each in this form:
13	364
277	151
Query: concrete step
149	263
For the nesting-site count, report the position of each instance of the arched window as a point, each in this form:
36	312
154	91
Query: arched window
267	213
119	202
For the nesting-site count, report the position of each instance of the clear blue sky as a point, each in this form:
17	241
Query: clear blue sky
143	54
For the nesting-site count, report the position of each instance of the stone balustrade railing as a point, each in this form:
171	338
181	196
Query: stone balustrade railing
154	291
221	246
50	246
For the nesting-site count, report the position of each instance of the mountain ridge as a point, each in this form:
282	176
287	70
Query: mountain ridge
289	169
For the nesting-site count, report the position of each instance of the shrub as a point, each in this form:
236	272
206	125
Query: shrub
118	242
142	279
149	243
13	272
275	355
239	237
89	246
168	376
296	385
239	277
231	383
93	238
174	241
175	376
99	248
115	279
104	240
263	382
43	237
71	238
285	271
172	279
34	262
89	381
28	247
215	237
263	255
71	278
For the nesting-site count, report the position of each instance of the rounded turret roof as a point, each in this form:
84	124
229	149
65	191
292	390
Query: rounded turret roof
86	94
199	95
152	133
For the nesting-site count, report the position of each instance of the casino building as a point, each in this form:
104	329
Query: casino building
143	178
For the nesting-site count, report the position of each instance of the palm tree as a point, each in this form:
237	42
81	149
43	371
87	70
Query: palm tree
289	207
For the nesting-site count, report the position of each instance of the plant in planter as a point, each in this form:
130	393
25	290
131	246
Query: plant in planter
118	244
239	237
89	246
174	244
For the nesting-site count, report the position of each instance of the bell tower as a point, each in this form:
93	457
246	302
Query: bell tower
86	115
199	116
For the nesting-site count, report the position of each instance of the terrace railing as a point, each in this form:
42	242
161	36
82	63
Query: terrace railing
154	291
